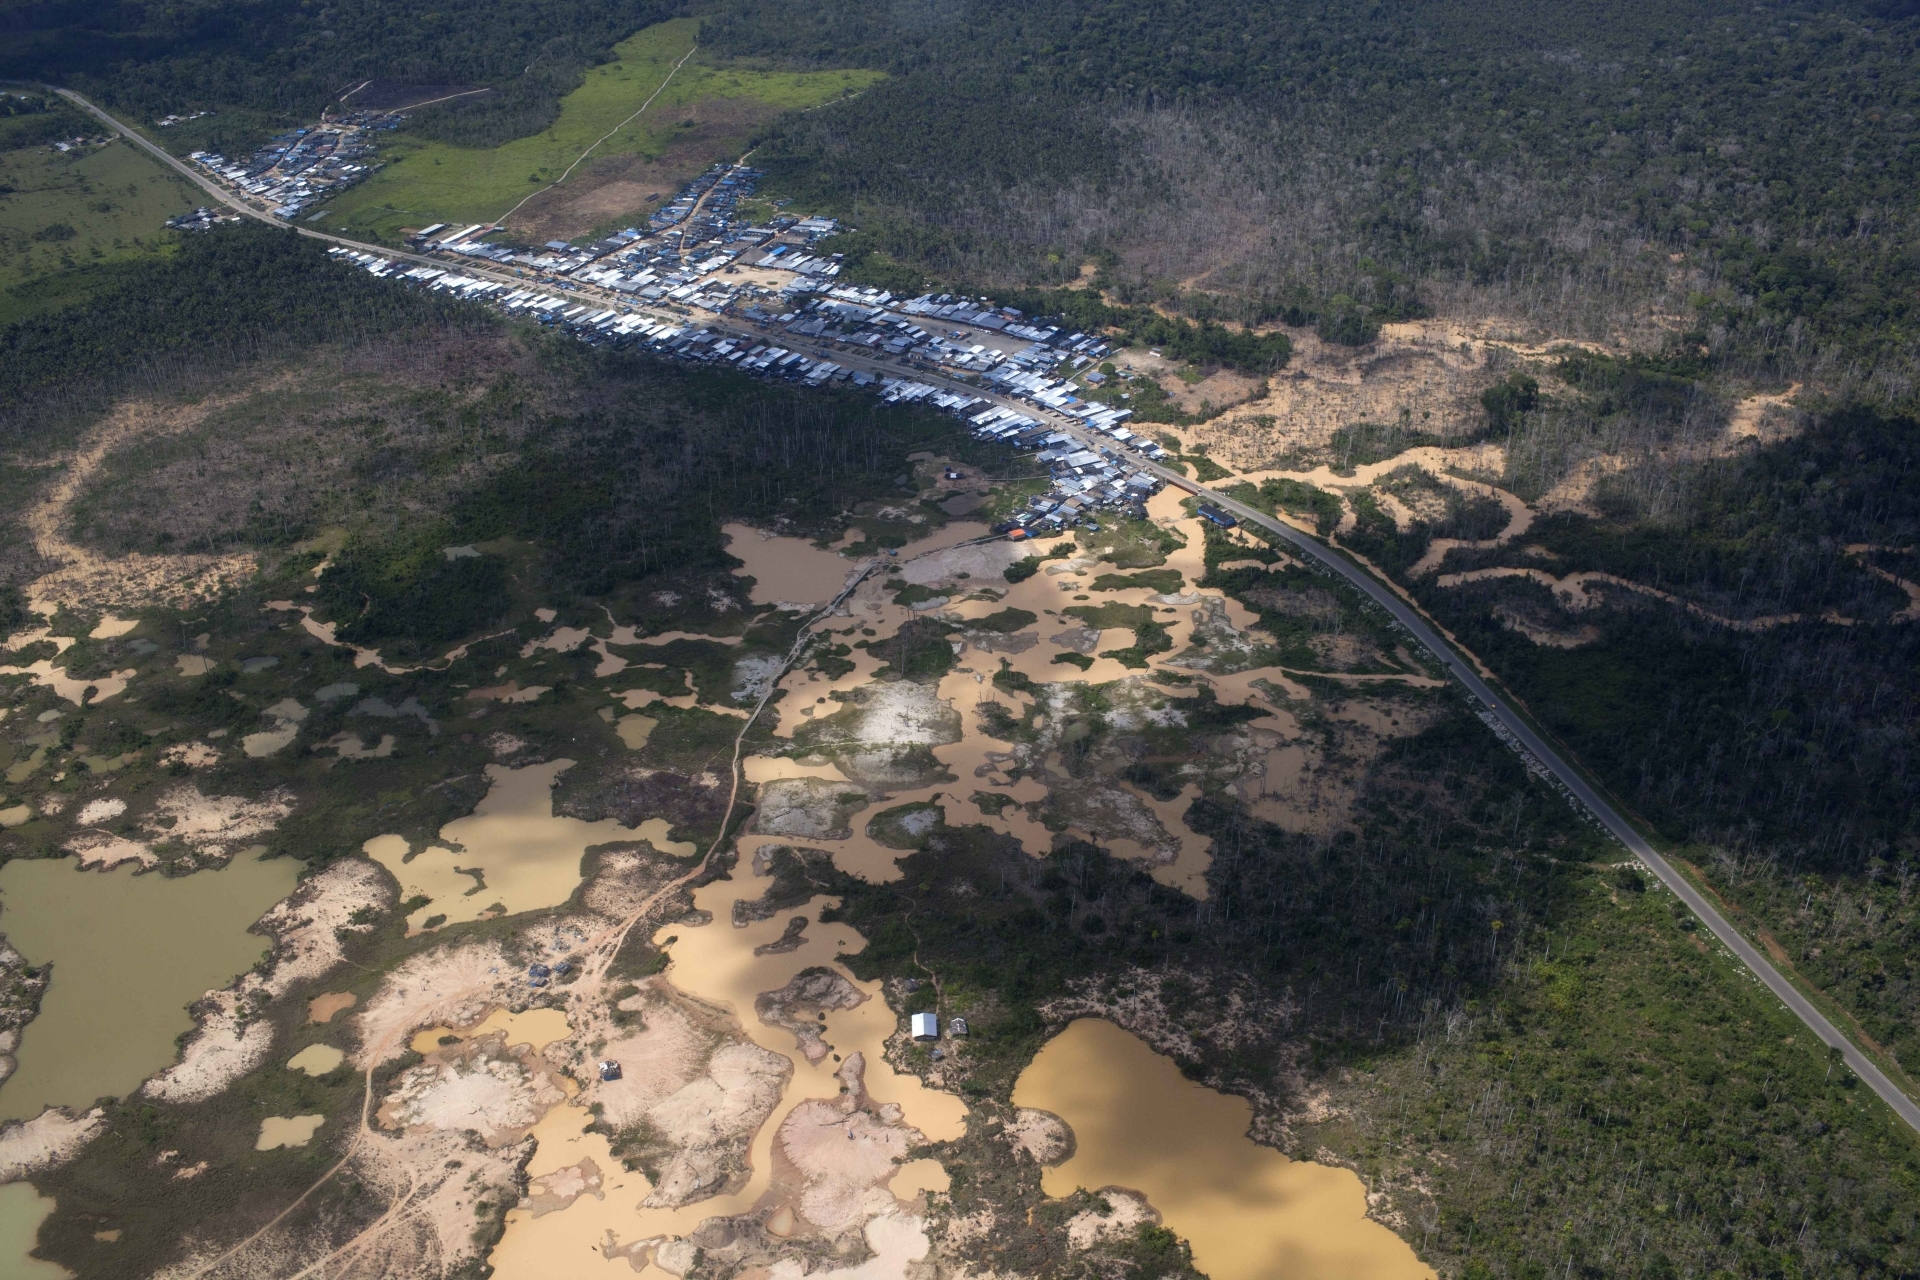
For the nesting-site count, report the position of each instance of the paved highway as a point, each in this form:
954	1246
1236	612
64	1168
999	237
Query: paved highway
1464	671
1415	624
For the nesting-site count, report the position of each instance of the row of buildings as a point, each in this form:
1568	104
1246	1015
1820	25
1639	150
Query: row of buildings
689	242
202	219
1084	479
301	167
697	254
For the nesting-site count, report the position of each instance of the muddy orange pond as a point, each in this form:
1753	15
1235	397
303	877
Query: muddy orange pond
1248	1211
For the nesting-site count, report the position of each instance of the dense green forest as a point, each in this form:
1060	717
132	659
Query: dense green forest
1546	160
1778	753
286	59
223	300
1336	164
262	66
620	465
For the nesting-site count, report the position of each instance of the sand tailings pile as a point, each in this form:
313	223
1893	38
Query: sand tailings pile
310	929
48	1140
212	828
723	971
484	1085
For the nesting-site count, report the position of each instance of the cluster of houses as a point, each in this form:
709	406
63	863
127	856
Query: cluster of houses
619	325
925	1027
704	209
1084	480
696	256
201	219
539	975
302	166
1087	480
685	255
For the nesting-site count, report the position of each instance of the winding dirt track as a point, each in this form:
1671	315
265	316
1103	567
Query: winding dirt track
84	576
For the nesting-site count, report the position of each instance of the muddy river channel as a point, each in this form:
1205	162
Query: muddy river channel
129	954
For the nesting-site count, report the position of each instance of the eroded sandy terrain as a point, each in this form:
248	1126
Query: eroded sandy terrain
749	1104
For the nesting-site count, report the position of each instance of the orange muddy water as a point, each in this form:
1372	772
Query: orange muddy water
514	853
716	963
1248	1211
22	1209
786	569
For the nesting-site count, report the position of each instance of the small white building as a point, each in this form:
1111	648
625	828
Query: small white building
926	1026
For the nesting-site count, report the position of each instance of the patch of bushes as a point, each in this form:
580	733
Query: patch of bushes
1164	581
919	650
1005	622
416	592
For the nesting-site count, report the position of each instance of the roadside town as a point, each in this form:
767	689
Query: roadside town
298	169
686	283
672	286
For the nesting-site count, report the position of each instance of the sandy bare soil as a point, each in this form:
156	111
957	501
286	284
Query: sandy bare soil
1346	387
308	930
698	1087
1433	373
213	828
483	1085
451	985
448	1140
102	850
1579	592
74	689
839	1152
85	579
51	1138
1766	418
1127	1213
308	926
432	1177
1041	1135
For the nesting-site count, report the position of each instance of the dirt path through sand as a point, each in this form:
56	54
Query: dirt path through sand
88	578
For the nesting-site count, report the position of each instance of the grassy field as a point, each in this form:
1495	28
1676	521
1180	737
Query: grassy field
427	182
63	213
